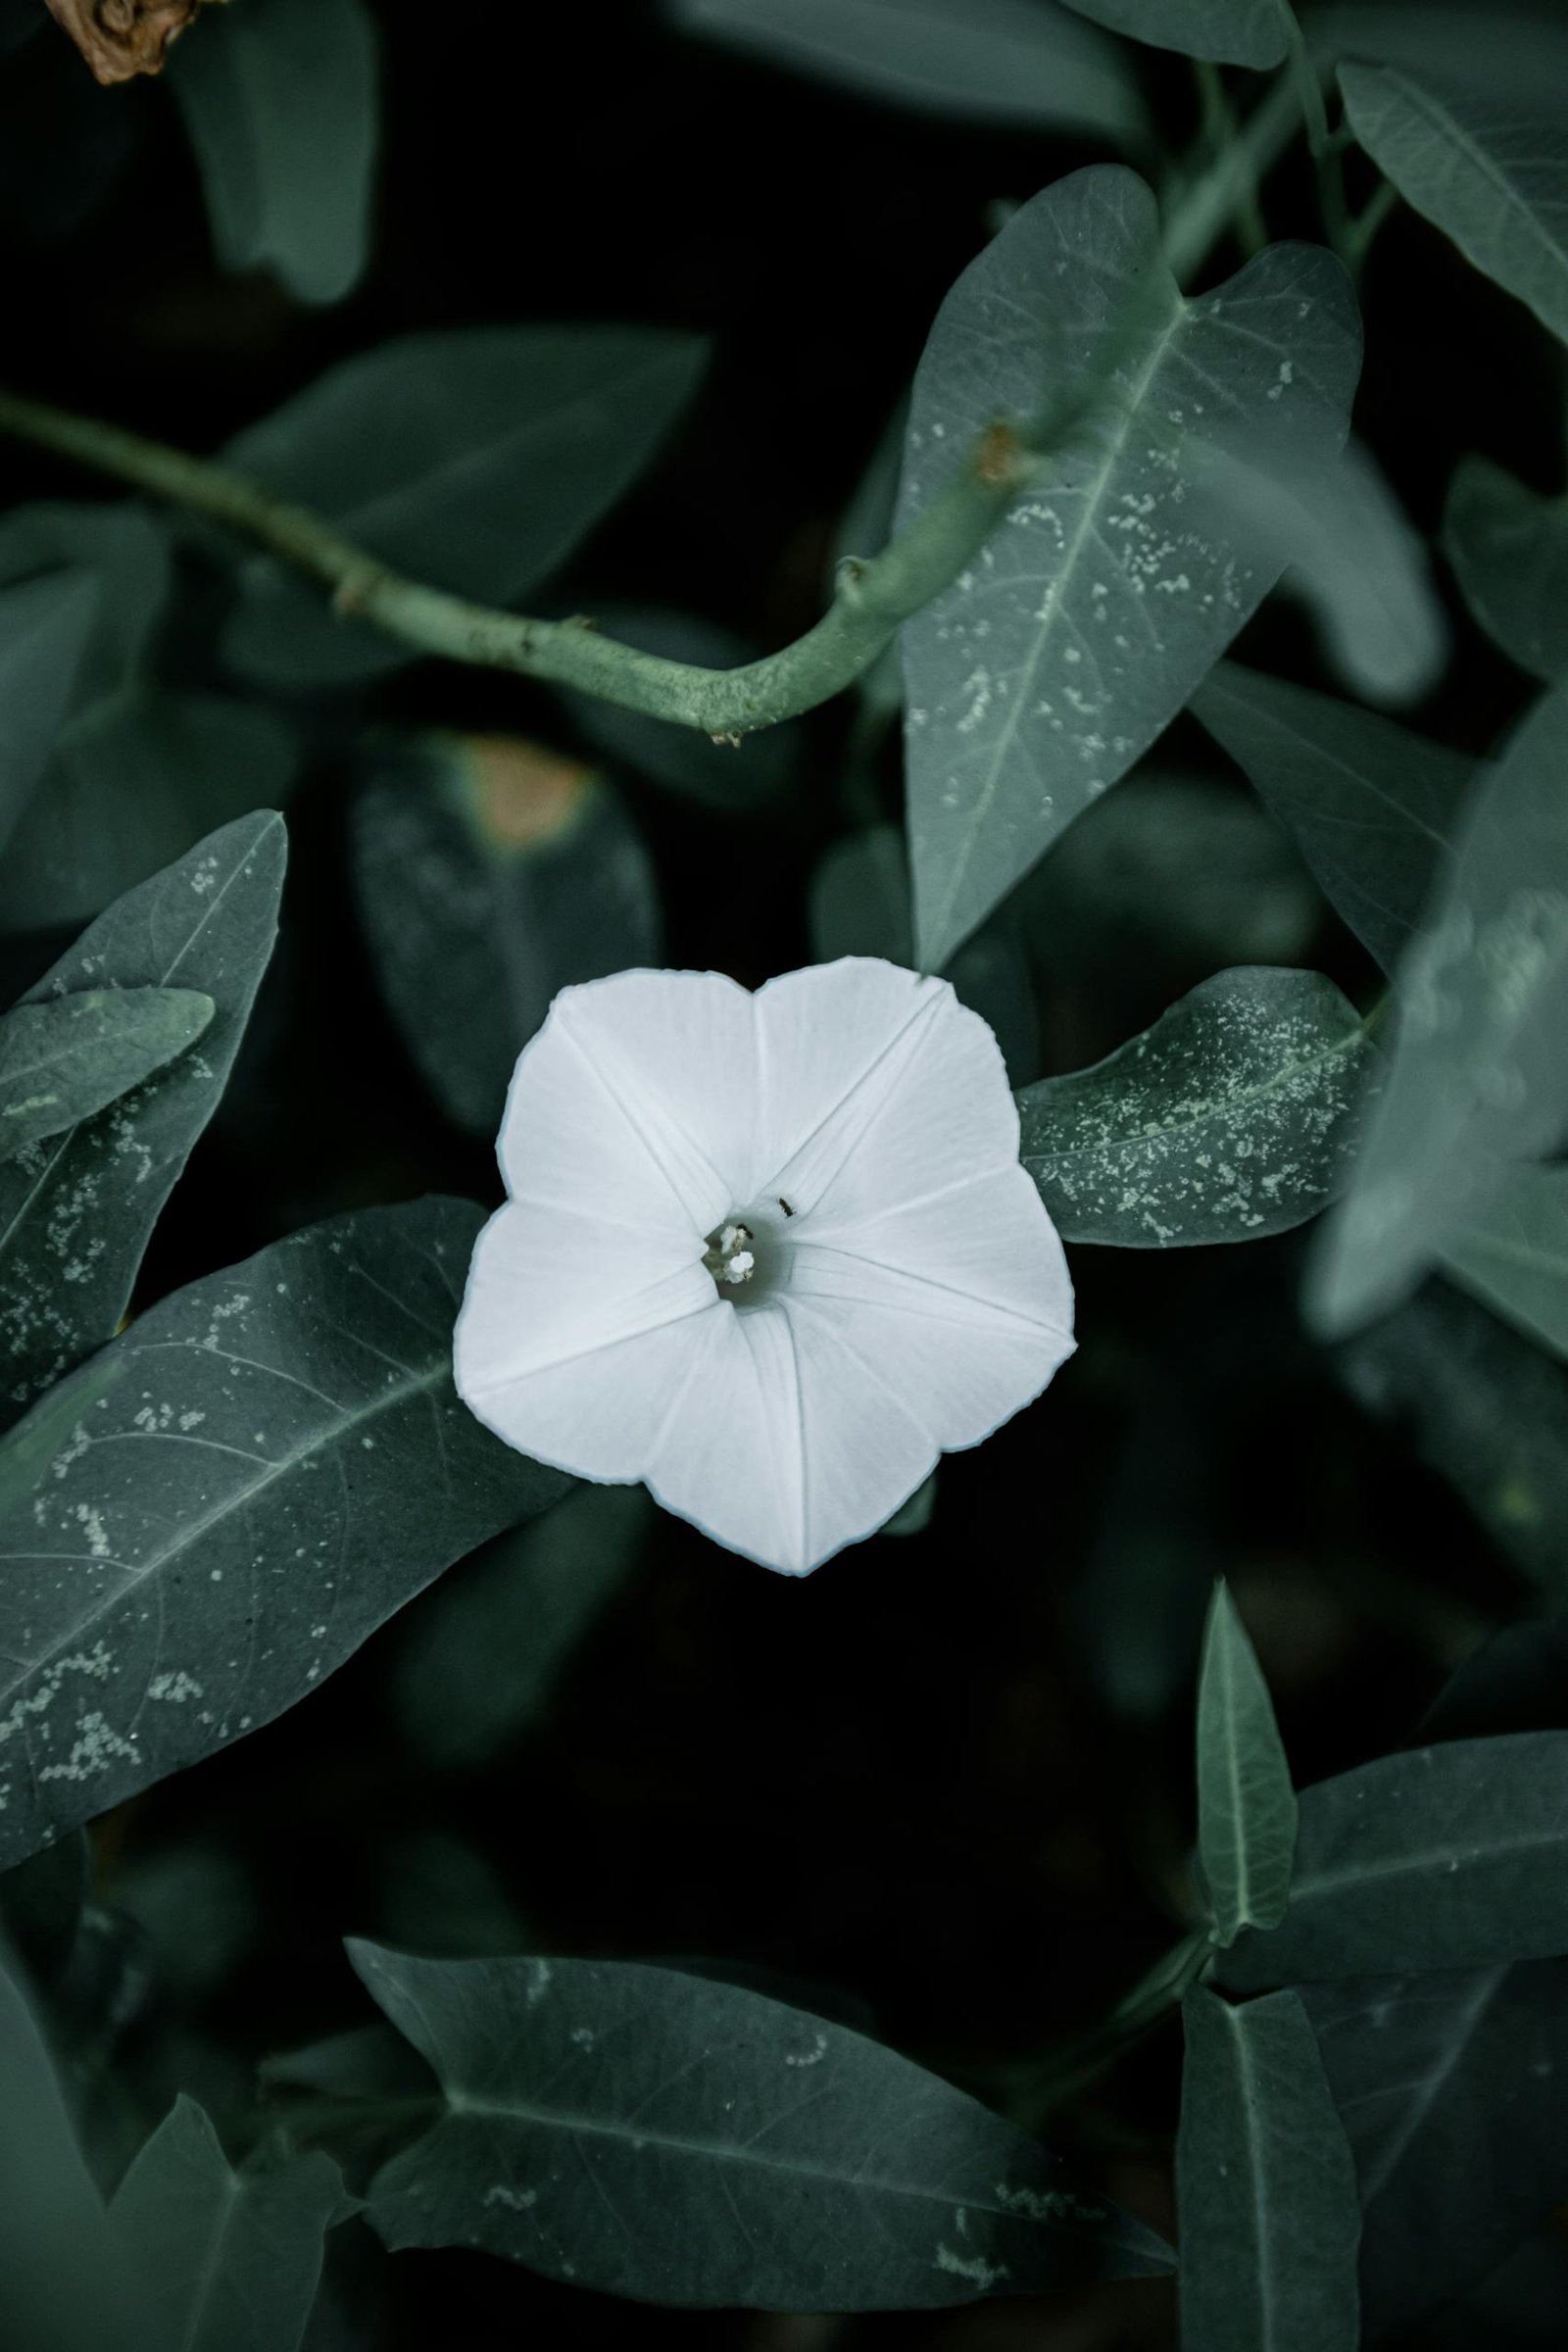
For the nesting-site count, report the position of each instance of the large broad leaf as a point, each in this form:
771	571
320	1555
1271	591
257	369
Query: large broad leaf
1232	1118
1450	2090
1479	1079
1126	568
1486	1409
1493	177
664	2135
1266	2185
62	2285
1372	807
1454	1857
279	98
1515	1256
135	782
1010	61
75	1210
1510	551
68	1059
227	2261
492	873
480	1655
45	627
1246	1811
283	1464
1232	32
474	460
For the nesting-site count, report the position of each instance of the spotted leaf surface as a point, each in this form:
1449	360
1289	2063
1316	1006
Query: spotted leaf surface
282	1462
1231	1118
66	1060
76	1209
1123	573
683	2140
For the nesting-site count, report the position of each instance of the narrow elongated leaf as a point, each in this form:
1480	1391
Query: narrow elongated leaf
68	1060
474	460
664	2135
45	627
1232	32
282	1465
1454	1857
1515	1256
62	2285
75	1210
481	1654
1493	177
228	2262
136	781
279	99
1486	1409
1373	806
1232	1117
1010	61
1478	1079
490	874
1362	571
1246	1811
1266	2185
1124	571
1450	2090
1510	551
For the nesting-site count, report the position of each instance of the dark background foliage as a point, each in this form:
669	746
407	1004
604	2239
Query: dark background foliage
943	1785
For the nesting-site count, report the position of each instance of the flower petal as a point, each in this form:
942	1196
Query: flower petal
983	1246
638	1096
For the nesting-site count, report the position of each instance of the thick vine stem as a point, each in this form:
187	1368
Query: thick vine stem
873	598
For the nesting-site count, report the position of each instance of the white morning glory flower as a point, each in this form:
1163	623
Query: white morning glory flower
770	1253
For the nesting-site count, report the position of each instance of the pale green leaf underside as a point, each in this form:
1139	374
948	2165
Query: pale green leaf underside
1478	1080
282	1465
1266	2185
68	1060
1493	177
1510	551
1123	573
655	2133
1246	1809
1229	32
1231	1118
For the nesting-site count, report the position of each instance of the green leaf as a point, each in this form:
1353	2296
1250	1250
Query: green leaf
45	627
1511	51
1008	61
658	2135
491	874
1478	1078
1515	1256
480	1656
1265	2187
1510	551
135	782
1485	1409
1231	33
228	2262
1128	566
75	1210
1493	177
70	1059
283	1464
1450	2090
473	461
1231	1118
62	2286
279	99
1372	806
1454	1857
1246	1811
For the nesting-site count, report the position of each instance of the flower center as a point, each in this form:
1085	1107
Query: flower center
748	1253
729	1256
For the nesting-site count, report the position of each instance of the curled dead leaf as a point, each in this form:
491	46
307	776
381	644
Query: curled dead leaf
121	38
